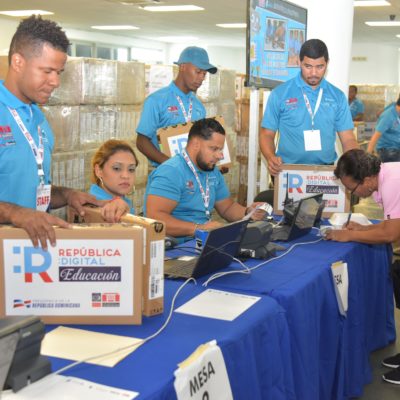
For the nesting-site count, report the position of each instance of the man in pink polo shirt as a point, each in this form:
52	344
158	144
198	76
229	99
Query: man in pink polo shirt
364	175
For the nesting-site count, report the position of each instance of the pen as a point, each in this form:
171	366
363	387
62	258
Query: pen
348	219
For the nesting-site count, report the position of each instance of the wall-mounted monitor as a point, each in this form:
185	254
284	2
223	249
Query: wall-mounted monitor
276	29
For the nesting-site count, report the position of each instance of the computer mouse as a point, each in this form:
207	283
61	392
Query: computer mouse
170	242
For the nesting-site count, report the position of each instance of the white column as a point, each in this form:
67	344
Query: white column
264	174
253	145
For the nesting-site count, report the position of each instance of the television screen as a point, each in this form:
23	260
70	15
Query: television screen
276	29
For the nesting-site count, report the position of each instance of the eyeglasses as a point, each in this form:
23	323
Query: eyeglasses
355	188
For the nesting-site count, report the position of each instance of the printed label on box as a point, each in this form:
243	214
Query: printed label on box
156	279
77	277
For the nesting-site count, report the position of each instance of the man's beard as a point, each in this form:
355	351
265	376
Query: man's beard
202	165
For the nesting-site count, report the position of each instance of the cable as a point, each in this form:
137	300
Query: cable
249	269
217	275
59	371
284	253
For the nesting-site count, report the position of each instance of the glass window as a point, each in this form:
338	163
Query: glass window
83	50
104	52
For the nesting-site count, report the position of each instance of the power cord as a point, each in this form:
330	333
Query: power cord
248	270
59	371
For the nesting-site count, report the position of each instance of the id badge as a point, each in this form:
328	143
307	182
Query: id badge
312	140
43	195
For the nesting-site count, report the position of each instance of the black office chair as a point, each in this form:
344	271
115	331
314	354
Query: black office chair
265	196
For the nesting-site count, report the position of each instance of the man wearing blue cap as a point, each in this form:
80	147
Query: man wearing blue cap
175	104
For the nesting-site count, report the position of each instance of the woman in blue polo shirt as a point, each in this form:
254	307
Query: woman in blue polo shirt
113	172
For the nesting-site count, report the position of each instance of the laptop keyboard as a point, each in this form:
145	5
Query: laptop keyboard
179	268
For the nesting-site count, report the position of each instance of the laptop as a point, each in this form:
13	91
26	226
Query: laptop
221	245
307	213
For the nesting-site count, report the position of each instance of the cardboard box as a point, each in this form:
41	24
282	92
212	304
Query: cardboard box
153	258
173	140
299	181
92	276
3	67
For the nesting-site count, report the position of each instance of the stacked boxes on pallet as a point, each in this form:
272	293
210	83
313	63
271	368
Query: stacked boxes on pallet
97	100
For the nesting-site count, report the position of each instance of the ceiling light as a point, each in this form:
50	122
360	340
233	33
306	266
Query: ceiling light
172	8
114	27
240	25
383	23
178	39
371	3
25	13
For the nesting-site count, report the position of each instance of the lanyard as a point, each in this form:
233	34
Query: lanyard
187	116
308	105
204	194
38	152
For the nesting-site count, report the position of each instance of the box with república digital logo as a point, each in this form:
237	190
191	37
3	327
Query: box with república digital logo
92	276
153	257
173	140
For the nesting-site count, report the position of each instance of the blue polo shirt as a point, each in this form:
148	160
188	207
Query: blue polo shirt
174	180
286	112
356	107
18	169
101	194
161	109
389	126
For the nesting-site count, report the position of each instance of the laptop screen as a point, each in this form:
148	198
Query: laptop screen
308	211
221	246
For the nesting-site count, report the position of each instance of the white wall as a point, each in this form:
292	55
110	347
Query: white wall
381	66
8	29
223	57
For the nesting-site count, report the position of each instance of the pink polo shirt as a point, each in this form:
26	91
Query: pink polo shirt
388	193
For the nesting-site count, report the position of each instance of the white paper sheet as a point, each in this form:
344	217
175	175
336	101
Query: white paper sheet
68	388
339	219
218	304
79	344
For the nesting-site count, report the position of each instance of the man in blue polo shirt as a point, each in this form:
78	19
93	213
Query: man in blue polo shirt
355	104
175	104
386	137
37	56
307	111
184	190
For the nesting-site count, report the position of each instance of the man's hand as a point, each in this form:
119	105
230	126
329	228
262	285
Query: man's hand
113	210
210	225
355	226
77	200
274	165
38	225
337	235
258	210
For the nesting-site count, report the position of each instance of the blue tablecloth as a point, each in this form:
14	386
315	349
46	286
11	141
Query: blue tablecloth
292	344
329	352
255	346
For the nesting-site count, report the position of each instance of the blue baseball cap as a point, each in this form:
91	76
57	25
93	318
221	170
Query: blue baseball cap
198	57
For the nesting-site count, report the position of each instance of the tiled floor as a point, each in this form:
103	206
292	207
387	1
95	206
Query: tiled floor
379	389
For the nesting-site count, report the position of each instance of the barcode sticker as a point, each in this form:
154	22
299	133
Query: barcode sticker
156	279
156	286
